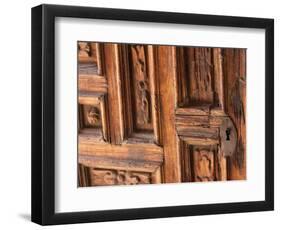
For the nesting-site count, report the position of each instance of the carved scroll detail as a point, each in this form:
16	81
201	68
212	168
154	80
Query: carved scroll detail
203	165
145	102
93	115
119	177
141	82
84	49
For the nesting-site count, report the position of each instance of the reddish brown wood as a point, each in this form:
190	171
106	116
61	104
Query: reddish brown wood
166	76
235	84
140	87
160	114
114	100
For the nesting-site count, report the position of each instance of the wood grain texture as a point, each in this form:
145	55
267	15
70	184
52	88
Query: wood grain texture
203	117
235	85
166	75
141	87
160	114
200	75
114	100
204	164
92	83
139	104
90	57
155	95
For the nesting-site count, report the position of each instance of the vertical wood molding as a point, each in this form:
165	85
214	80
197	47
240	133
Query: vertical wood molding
157	176
126	91
154	83
166	74
182	77
99	54
83	176
235	85
221	165
114	101
105	119
219	78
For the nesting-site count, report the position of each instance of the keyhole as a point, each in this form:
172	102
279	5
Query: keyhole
227	132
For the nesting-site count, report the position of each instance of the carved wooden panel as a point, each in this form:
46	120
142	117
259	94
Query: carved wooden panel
160	114
119	177
204	164
203	116
138	92
90	58
200	79
92	117
200	75
141	87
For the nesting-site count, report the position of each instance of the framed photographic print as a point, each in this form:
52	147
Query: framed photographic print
142	114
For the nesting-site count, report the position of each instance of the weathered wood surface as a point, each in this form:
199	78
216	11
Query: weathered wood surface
160	114
235	85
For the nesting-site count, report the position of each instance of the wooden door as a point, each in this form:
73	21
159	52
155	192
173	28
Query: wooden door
160	114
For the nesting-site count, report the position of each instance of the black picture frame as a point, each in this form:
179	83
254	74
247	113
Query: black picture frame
43	114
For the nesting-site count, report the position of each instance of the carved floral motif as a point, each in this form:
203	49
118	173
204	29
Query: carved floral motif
93	115
142	85
145	101
204	165
119	177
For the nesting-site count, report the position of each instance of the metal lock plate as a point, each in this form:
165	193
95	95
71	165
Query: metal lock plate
228	137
